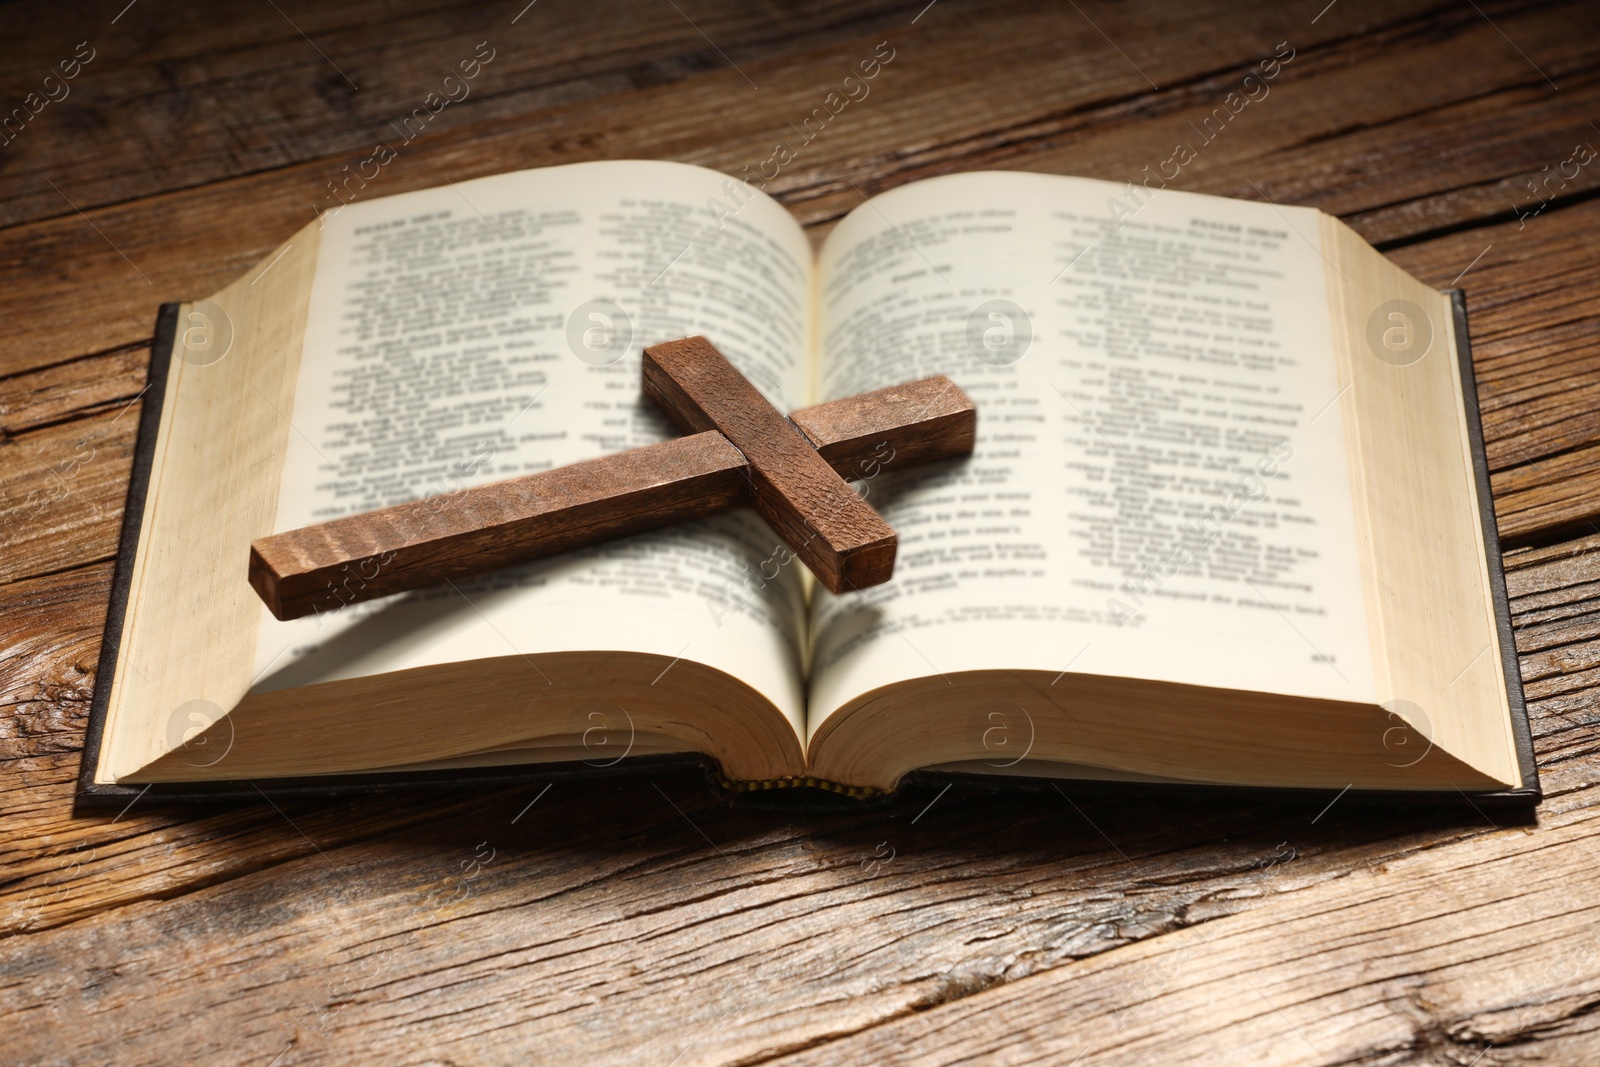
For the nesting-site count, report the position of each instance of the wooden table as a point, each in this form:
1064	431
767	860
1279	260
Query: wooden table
645	921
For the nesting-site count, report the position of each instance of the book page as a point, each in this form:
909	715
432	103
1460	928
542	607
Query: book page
1160	487
493	328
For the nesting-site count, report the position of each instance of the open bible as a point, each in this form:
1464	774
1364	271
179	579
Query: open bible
1227	521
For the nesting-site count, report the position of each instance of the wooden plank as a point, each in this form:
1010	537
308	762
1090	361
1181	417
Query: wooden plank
79	387
785	933
1555	602
215	91
61	492
189	244
1341	128
426	542
1549	496
902	426
332	94
50	628
1483	947
833	531
781	940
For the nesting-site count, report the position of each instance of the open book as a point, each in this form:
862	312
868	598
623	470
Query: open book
1227	521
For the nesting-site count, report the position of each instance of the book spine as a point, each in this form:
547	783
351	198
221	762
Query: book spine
154	395
1511	668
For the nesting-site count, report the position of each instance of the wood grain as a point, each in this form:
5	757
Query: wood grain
194	108
409	546
1348	126
1383	966
61	492
1552	496
833	531
104	381
902	426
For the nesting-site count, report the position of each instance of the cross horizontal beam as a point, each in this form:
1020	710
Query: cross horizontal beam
424	542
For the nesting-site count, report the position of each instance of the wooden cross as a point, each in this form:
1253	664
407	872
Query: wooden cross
740	450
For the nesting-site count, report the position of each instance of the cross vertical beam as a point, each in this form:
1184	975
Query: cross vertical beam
833	531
